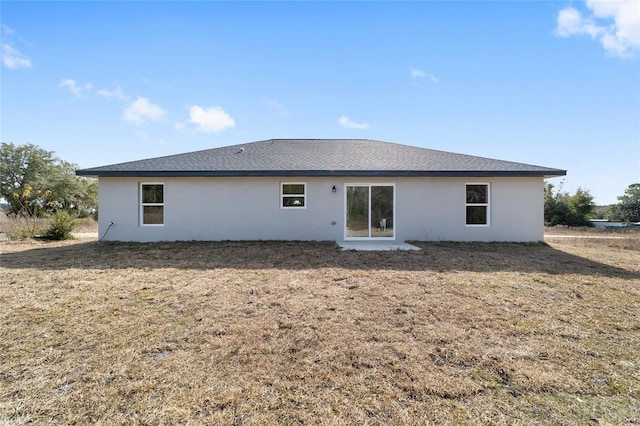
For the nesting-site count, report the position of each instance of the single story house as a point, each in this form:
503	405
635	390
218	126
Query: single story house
321	189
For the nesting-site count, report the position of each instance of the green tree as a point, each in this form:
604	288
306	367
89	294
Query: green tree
21	167
28	166
72	193
628	208
560	208
581	208
614	213
551	209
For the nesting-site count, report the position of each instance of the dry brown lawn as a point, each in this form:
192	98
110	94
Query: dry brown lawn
302	333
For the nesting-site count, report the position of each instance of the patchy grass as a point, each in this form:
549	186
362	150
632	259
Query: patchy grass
626	232
597	239
302	333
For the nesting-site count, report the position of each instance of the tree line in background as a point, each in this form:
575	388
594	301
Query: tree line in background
562	208
37	184
628	207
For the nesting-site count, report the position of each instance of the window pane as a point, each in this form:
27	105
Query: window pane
292	201
477	194
293	188
357	211
153	215
152	194
476	215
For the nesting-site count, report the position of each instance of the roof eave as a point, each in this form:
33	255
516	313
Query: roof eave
546	173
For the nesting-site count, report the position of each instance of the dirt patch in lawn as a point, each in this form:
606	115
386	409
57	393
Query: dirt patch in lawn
303	333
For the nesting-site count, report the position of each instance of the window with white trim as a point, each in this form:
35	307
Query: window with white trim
293	195
152	204
477	204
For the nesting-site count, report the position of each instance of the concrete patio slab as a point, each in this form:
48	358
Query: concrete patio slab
376	245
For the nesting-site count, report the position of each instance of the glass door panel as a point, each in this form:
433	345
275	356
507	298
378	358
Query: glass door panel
382	211
357	211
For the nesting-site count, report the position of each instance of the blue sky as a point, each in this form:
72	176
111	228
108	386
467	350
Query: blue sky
551	83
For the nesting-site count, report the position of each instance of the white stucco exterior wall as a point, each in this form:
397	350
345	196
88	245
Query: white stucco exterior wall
438	210
248	208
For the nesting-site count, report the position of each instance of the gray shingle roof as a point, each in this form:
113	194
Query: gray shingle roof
320	157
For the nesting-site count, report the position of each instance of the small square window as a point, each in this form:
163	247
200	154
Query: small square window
152	193
152	215
477	194
476	215
293	195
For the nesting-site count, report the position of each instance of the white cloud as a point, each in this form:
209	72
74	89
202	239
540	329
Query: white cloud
141	110
7	30
417	74
116	93
615	24
12	58
350	124
74	88
212	119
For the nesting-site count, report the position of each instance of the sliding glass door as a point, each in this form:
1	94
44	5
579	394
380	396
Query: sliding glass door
369	211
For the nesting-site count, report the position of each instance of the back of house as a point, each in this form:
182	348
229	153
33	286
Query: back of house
321	189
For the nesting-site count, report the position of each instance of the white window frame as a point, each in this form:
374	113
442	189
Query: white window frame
487	205
283	196
143	204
